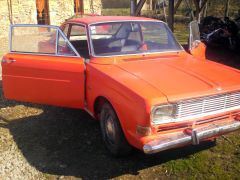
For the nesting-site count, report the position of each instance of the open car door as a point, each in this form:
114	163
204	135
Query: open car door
43	67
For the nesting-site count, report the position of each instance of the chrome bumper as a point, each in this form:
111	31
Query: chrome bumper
193	136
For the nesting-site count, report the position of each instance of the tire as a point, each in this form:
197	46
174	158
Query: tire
112	133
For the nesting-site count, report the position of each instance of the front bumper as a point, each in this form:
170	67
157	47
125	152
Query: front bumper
188	136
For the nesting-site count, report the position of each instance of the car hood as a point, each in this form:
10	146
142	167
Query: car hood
180	78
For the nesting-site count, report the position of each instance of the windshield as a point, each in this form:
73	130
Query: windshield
121	38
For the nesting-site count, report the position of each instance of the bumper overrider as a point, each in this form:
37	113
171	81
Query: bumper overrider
190	136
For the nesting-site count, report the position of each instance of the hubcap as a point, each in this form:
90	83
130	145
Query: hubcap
110	131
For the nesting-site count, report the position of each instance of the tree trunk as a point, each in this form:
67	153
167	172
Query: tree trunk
171	14
205	10
226	8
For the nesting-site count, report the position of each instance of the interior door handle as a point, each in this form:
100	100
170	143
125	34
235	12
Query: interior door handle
8	60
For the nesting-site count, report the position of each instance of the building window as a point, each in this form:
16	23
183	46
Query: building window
78	7
42	12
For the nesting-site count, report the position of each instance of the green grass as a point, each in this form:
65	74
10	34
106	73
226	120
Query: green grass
219	162
116	12
181	32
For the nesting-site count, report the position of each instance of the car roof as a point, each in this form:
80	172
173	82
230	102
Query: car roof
100	19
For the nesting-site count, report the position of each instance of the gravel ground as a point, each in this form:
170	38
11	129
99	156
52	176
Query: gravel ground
13	165
44	142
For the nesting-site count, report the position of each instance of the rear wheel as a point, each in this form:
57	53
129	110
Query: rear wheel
112	133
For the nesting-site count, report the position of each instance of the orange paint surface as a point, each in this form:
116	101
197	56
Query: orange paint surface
44	79
133	84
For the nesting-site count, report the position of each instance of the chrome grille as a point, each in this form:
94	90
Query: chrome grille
207	104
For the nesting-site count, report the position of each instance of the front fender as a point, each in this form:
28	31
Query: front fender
116	86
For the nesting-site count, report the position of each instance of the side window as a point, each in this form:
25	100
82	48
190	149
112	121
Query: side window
78	32
39	39
78	38
65	29
64	47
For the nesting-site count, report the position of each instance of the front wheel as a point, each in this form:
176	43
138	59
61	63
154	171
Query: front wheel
112	133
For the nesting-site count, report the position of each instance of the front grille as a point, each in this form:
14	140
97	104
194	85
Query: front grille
208	104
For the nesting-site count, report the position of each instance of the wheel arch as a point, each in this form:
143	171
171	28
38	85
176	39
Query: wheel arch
99	101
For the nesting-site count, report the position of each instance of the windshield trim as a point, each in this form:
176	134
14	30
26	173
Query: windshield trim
137	54
143	53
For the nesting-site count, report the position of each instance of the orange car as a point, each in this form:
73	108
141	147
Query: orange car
129	73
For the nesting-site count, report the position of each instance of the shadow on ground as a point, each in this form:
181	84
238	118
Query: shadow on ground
67	142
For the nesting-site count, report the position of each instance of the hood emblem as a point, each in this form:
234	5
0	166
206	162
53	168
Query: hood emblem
219	89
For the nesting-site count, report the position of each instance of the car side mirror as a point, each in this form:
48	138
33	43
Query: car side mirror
196	47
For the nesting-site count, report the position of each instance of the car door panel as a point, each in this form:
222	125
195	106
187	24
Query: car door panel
45	79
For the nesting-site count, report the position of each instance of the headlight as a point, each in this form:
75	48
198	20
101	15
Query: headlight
163	114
